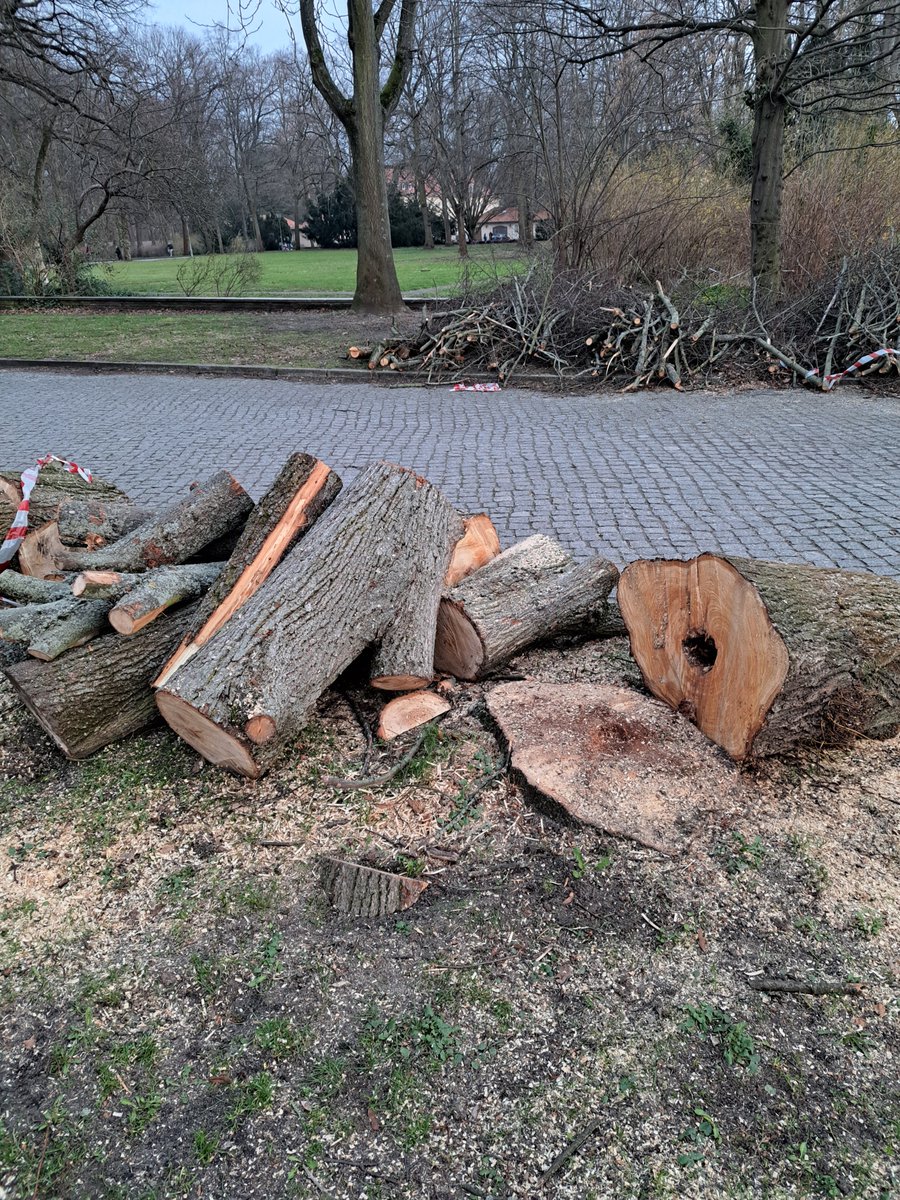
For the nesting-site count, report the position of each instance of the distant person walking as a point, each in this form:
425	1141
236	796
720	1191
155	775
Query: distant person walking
170	250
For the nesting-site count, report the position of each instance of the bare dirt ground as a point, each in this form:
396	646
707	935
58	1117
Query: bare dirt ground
183	1016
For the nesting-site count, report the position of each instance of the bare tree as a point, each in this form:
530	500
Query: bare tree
363	113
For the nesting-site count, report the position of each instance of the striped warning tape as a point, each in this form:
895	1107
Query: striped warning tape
828	382
475	387
19	527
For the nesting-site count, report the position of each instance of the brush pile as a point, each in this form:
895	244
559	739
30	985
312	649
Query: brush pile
231	619
585	329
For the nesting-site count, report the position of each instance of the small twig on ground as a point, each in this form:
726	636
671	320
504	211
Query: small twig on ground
363	724
768	983
570	1151
37	1180
374	781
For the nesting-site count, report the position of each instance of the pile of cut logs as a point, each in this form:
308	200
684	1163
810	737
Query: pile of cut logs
231	619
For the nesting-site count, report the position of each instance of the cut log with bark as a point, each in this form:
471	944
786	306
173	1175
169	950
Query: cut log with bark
614	759
155	591
303	490
342	589
25	589
101	692
54	487
173	535
767	657
409	712
362	891
478	546
92	524
527	594
48	630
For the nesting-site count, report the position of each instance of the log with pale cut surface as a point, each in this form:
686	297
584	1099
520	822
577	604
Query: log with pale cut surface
409	712
99	693
767	657
96	522
303	490
527	594
363	891
174	534
614	759
152	593
253	685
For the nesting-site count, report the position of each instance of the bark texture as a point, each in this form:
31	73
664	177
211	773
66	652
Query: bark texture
253	684
769	115
527	594
155	591
767	657
25	589
93	523
176	533
361	891
303	490
98	694
54	487
48	630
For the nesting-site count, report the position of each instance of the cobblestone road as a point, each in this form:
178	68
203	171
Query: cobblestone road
790	475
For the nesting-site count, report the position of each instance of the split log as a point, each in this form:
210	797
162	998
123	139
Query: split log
304	488
48	630
54	487
529	593
173	535
361	891
94	523
359	352
767	657
25	589
155	591
342	589
409	712
478	546
614	759
100	693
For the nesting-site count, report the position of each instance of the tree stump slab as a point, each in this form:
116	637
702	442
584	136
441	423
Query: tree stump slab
363	891
613	759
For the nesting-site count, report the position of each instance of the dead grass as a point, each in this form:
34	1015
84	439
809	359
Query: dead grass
184	1017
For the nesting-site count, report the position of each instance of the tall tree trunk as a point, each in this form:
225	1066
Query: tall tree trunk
445	217
461	231
296	230
769	111
421	194
185	238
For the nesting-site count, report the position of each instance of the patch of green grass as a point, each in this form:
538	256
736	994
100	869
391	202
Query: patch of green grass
250	1096
279	1038
737	1045
41	1157
333	272
209	972
738	854
250	896
205	1146
142	1110
582	867
868	923
265	966
426	1040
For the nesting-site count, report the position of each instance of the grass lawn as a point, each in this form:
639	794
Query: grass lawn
328	272
305	340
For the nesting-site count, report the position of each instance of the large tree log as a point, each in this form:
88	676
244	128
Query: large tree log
765	657
54	487
304	488
94	523
529	593
48	630
100	693
173	535
253	684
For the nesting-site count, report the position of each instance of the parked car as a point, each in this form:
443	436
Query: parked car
500	237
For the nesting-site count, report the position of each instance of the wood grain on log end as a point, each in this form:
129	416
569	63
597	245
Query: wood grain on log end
478	546
260	729
400	683
215	743
408	712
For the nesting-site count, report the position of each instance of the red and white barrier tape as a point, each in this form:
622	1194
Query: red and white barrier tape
19	527
830	380
476	387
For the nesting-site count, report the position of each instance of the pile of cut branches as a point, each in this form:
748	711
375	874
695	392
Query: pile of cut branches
582	328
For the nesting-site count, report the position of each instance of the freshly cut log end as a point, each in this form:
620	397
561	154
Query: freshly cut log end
766	657
409	712
153	592
362	891
527	594
478	546
42	555
217	744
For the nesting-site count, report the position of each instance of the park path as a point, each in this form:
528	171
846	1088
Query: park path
793	475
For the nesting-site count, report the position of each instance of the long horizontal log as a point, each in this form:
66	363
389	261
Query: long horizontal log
26	589
48	630
99	693
94	523
155	591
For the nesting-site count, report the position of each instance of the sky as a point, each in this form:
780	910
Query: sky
269	29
